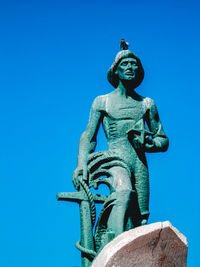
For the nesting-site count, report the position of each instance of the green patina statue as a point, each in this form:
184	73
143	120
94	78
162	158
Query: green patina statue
132	127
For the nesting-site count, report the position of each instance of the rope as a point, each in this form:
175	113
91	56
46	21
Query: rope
93	217
85	250
90	198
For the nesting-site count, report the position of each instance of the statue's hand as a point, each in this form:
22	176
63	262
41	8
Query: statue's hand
148	142
137	143
75	177
79	172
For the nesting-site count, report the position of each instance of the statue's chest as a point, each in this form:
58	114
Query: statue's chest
119	110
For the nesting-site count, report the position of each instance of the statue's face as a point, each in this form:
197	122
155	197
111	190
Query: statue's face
127	69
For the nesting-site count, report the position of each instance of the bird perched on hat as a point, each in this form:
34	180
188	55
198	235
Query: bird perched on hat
124	45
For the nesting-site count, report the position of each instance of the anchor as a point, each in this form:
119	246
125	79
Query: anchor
86	201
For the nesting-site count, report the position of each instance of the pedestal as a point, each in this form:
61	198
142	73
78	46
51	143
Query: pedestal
154	245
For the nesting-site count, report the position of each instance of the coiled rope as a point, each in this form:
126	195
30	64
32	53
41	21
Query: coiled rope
93	217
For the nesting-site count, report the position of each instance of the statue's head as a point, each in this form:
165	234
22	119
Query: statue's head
126	67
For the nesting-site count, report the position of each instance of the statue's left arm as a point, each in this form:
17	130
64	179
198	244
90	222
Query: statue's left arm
159	141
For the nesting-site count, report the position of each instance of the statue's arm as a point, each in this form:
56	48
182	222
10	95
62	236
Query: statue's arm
159	142
87	141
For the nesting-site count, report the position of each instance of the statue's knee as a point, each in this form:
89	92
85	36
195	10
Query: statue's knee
123	196
121	179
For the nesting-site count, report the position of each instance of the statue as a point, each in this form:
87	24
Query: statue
132	127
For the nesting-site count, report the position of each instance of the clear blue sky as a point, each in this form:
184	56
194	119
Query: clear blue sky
54	60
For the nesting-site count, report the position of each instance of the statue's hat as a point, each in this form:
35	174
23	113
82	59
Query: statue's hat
113	78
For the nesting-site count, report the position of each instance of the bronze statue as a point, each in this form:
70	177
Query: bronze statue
132	127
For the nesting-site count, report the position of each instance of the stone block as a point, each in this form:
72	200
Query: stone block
154	245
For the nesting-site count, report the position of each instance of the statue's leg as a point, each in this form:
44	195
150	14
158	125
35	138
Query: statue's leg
123	190
141	176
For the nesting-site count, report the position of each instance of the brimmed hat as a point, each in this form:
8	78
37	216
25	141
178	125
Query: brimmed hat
113	78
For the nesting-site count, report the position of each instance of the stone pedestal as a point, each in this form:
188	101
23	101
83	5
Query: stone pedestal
154	245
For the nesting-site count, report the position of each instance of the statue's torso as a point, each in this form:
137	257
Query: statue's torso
119	115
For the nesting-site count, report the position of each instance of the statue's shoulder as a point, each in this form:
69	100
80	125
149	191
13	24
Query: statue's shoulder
99	102
148	102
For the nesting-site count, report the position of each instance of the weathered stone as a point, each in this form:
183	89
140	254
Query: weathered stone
155	245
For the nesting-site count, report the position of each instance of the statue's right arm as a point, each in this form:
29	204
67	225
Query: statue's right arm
87	141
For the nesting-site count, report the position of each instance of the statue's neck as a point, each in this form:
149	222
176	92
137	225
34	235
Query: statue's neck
126	89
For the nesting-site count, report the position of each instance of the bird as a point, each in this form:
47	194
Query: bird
124	45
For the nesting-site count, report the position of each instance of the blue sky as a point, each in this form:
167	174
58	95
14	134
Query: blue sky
54	60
